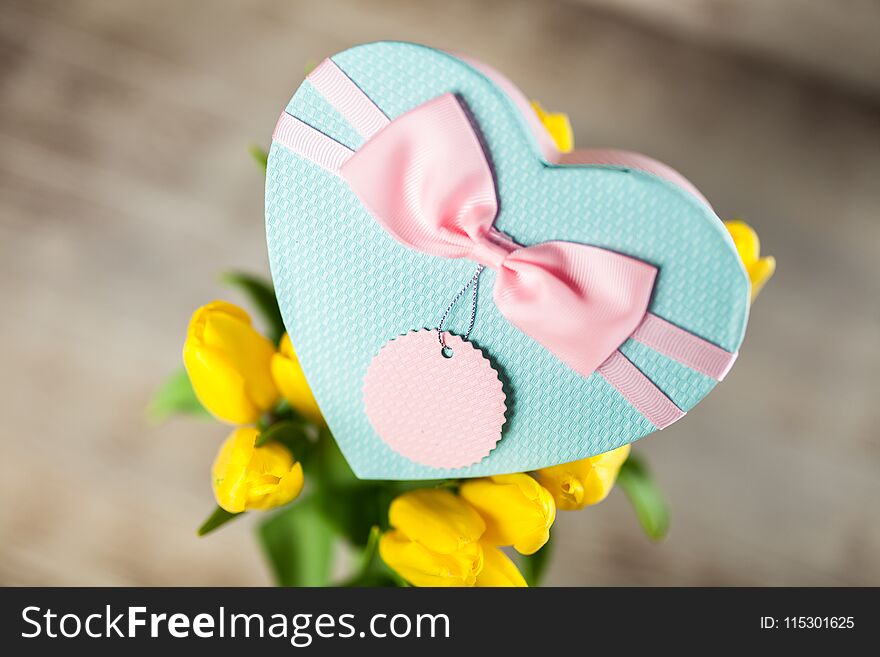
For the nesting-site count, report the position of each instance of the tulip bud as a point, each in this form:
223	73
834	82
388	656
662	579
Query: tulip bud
421	566
247	478
749	247
291	381
498	569
516	508
435	540
584	482
558	125
228	363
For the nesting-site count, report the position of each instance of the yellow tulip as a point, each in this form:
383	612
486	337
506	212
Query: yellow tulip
421	566
436	518
558	126
435	540
291	381
498	569
518	511
582	483
228	363
749	247
248	478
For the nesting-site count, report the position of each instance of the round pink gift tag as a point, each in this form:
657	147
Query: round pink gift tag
434	407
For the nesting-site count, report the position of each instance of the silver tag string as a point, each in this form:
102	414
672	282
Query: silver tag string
470	284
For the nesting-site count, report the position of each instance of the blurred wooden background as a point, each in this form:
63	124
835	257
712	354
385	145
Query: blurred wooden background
125	186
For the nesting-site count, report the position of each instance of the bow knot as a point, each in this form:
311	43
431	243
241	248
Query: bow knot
492	249
425	178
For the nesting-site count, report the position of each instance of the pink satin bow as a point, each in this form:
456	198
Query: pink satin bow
425	179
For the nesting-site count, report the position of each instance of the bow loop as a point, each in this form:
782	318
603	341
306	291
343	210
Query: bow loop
425	178
579	301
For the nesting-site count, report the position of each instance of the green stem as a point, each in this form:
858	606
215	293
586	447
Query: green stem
217	519
370	550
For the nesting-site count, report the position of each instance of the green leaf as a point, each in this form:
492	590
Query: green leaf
351	505
371	549
175	396
641	489
298	542
373	572
373	580
330	468
261	293
296	436
354	510
217	519
534	566
260	156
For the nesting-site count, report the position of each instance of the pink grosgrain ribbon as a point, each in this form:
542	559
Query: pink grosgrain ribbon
424	177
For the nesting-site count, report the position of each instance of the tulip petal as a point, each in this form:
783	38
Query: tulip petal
290	380
228	364
760	273
421	566
287	489
229	471
518	511
746	239
748	245
272	459
248	351
498	569
583	482
246	477
218	385
437	519
558	125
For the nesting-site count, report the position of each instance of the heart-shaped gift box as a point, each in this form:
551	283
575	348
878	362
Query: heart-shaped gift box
346	286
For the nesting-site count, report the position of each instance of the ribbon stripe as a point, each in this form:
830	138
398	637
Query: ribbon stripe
315	146
349	100
640	391
683	347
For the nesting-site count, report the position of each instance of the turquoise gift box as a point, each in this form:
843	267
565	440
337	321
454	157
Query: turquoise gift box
346	287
